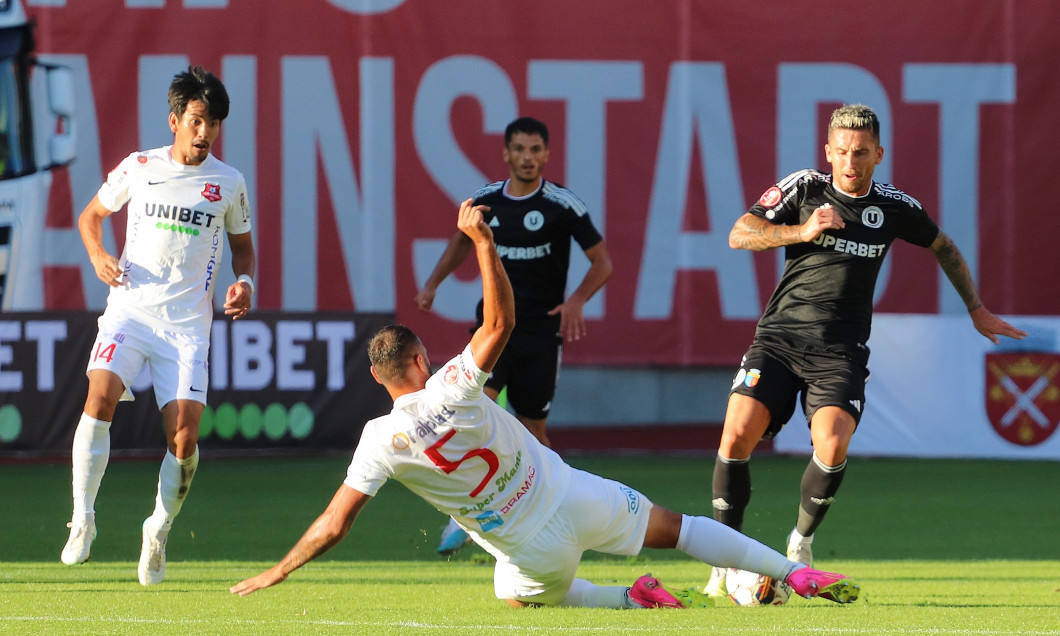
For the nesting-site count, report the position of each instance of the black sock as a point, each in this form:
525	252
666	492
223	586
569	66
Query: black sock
819	486
732	490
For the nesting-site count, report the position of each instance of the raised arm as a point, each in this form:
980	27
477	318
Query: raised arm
757	234
454	255
329	528
498	301
956	268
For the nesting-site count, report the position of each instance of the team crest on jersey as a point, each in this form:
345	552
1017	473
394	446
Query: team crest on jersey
1022	395
534	220
770	197
142	159
451	374
872	216
212	192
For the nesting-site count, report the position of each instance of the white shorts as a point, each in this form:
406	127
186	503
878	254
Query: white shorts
597	514
178	362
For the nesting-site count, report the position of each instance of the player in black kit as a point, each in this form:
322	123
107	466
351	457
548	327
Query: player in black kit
533	222
836	229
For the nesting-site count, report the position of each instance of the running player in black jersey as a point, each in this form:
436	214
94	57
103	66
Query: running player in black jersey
836	229
533	222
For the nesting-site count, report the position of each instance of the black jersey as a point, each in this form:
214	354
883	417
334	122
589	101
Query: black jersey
824	296
533	236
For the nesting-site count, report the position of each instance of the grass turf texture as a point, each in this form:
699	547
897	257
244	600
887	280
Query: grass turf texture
940	547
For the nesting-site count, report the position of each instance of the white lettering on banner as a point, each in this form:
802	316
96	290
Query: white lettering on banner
801	89
45	333
696	110
9	332
258	358
440	155
367	6
289	354
586	87
314	129
336	335
959	90
252	363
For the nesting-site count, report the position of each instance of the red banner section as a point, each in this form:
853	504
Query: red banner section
276	381
361	124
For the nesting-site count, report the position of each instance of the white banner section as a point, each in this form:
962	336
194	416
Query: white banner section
940	389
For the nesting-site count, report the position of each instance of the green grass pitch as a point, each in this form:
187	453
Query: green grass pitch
939	547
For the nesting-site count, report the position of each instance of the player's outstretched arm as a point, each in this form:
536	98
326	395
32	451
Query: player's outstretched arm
454	255
498	300
952	262
329	528
90	224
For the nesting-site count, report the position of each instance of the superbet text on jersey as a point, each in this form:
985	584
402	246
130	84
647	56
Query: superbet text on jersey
835	275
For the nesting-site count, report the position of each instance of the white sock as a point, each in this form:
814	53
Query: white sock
795	537
174	481
719	545
89	457
583	593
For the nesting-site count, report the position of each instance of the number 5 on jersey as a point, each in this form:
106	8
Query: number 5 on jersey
486	454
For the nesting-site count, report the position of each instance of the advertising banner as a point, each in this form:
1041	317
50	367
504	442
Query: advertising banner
360	124
276	381
939	389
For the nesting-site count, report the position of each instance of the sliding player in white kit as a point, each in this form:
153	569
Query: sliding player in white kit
182	201
449	443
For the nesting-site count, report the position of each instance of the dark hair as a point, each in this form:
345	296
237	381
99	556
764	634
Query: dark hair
527	126
198	84
390	350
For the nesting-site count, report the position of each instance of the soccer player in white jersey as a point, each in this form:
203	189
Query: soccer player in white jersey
449	443
181	201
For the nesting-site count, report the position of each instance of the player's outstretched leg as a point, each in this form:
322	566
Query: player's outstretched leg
808	583
453	538
647	591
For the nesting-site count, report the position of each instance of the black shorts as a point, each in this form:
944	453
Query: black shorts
529	367
775	373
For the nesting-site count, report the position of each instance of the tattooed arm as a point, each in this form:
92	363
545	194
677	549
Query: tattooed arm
956	268
756	234
326	531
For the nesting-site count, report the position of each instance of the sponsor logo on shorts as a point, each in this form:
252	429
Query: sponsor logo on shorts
751	377
632	499
489	520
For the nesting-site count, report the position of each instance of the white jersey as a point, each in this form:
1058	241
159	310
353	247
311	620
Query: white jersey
178	216
468	457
